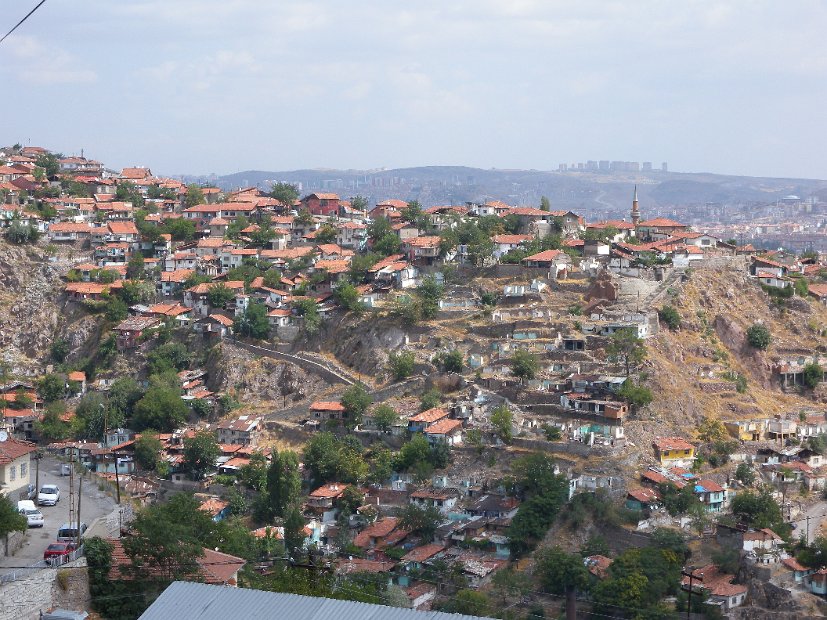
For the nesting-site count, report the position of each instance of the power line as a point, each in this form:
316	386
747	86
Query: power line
18	24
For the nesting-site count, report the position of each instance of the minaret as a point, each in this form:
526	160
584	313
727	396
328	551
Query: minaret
635	210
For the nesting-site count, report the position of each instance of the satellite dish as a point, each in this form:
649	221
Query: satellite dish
3	435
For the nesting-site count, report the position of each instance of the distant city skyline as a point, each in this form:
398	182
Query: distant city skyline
213	86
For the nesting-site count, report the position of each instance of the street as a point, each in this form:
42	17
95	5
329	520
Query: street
811	527
95	503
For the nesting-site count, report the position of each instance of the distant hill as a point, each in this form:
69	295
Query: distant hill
590	193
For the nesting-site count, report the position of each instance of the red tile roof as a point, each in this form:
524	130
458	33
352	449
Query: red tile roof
429	416
321	405
443	427
13	449
423	553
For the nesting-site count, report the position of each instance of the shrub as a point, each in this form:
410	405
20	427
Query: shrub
401	364
670	316
759	337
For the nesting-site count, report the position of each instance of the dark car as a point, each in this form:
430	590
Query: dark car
58	549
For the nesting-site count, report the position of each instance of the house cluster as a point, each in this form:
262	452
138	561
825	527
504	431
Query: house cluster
471	537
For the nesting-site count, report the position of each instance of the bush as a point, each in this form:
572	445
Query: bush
401	364
759	337
813	375
670	316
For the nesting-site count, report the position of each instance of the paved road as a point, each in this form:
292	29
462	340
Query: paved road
817	512
95	503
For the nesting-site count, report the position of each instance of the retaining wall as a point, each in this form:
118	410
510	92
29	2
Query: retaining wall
43	589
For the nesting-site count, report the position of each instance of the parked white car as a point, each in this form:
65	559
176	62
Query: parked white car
33	517
49	495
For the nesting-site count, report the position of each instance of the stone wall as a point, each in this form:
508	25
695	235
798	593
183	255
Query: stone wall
66	587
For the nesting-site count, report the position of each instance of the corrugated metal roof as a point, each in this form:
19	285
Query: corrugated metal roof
198	601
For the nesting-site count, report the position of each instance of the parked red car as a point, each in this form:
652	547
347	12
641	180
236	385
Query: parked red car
58	549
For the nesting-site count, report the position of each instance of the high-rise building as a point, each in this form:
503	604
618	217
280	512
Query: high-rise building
664	167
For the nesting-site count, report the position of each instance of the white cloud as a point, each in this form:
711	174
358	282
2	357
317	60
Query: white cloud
44	64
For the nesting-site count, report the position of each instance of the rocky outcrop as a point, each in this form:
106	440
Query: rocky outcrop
253	379
30	316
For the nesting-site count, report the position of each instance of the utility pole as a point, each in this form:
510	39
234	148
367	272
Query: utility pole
691	575
37	457
571	603
72	487
80	496
807	532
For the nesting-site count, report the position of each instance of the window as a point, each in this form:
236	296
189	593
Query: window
23	469
13	472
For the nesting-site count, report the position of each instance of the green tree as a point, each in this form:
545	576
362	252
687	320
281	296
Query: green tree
253	322
502	420
559	572
801	288
180	229
415	451
329	459
60	350
127	191
468	602
670	316
293	530
347	296
387	245
93	414
745	474
637	396
759	337
524	365
325	234
359	266
384	417
200	454
626	348
148	450
422	521
430	292
359	202
169	356
194	196
283	483
51	426
813	375
168	538
135	267
356	401
253	475
10	519
452	361
285	193
50	164
545	204
308	309
759	510
430	398
19	233
219	295
401	364
123	395
52	387
160	408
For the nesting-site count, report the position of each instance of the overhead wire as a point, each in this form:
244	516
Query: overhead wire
27	16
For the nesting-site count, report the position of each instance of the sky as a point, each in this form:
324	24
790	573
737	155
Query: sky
219	86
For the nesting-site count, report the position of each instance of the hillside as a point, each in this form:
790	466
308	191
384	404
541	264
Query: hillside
581	191
32	310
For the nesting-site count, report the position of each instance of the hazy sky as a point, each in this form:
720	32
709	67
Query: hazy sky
199	86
